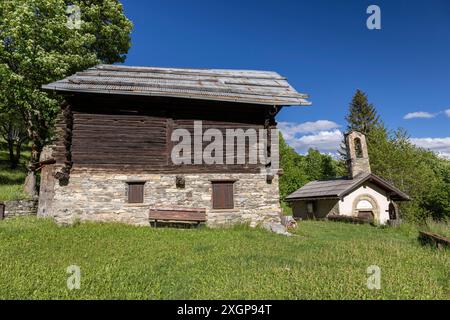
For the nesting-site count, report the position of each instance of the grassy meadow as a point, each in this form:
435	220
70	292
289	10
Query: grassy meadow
324	260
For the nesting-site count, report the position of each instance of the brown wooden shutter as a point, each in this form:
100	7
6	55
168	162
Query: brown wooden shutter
136	192
222	195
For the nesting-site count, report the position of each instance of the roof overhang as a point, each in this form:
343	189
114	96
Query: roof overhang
312	198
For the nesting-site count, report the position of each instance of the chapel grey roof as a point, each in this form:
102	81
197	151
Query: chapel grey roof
245	86
337	188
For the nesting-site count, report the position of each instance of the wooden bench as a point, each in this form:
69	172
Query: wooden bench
434	239
178	215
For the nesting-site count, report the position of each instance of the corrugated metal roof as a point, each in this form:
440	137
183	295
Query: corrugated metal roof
246	86
340	187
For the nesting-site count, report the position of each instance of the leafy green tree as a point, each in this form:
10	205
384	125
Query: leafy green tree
314	168
301	169
438	199
395	159
38	46
330	168
294	175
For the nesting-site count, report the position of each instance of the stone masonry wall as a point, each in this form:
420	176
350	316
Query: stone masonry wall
361	164
100	196
20	208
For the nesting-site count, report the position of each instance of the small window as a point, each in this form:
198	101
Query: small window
222	195
136	192
310	208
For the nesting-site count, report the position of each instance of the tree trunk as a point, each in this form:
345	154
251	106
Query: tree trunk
18	153
12	158
30	180
37	131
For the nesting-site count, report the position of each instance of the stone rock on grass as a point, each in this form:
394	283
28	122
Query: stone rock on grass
276	227
288	221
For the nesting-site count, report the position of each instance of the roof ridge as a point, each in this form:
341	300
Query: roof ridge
119	66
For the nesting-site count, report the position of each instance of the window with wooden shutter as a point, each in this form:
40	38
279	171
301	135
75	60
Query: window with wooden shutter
136	192
222	195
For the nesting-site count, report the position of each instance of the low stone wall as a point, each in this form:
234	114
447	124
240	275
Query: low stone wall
20	208
102	196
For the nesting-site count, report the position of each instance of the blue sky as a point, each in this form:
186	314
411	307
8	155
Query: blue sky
324	49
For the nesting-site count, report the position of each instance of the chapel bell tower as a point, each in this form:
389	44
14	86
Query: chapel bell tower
357	154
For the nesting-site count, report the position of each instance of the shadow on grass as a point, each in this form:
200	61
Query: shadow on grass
11	182
10	176
5	180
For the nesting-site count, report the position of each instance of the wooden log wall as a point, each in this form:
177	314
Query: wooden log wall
119	139
133	134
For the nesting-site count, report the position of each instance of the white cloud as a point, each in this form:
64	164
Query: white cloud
419	114
447	112
324	141
438	145
291	130
322	135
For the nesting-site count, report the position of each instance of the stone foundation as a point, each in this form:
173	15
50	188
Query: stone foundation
101	196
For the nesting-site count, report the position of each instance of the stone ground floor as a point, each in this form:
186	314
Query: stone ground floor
103	196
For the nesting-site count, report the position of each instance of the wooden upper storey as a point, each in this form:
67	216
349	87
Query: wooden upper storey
123	117
134	133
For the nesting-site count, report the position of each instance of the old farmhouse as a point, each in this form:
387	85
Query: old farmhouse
118	131
360	195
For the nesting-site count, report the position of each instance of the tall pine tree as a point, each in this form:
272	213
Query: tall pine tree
362	115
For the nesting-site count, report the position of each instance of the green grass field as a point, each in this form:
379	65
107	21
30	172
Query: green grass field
324	260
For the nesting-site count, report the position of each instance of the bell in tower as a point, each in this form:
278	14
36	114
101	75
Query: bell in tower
357	154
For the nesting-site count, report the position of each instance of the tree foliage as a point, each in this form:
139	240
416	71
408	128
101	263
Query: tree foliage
37	47
362	115
418	172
